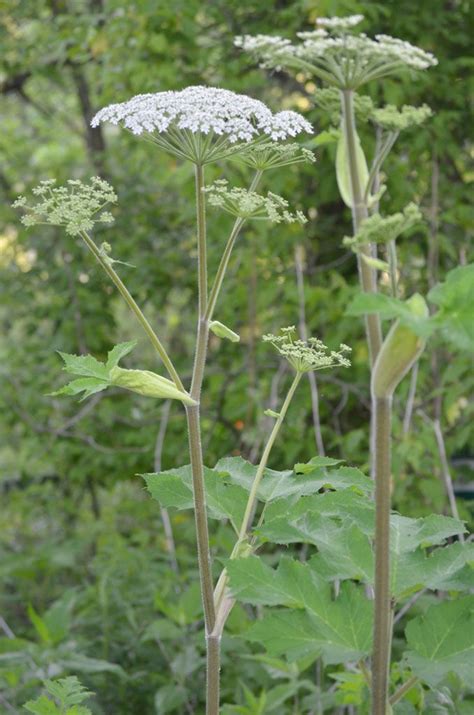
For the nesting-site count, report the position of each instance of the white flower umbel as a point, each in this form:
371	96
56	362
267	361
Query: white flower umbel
202	124
307	355
77	206
250	205
336	54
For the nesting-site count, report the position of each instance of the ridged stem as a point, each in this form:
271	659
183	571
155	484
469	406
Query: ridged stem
381	409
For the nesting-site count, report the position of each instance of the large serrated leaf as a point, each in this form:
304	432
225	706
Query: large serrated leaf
340	629
173	488
441	641
455	299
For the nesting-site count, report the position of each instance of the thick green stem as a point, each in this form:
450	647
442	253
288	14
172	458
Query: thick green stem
367	274
126	295
381	409
213	673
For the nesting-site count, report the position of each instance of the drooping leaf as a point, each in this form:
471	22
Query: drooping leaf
173	488
88	385
440	641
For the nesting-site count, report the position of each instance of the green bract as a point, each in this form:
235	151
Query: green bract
77	206
96	376
400	350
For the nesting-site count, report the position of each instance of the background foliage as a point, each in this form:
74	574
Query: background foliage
90	583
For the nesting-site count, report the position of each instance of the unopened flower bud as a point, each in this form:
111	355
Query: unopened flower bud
148	383
400	350
222	331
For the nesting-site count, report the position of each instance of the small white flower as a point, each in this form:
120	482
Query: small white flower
307	355
202	123
340	23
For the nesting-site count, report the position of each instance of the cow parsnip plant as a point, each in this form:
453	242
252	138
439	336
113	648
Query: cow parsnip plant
321	608
345	59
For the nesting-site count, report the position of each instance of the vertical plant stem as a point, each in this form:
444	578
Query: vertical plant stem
367	275
381	408
195	453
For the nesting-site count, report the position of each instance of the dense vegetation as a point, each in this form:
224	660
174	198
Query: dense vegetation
97	580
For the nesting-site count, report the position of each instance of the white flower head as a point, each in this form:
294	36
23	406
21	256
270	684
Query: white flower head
307	355
272	155
249	205
202	124
77	206
335	53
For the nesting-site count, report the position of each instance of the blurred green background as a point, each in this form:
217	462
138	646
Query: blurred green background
85	563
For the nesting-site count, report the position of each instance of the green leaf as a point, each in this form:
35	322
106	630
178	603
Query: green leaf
88	385
168	698
84	365
118	352
440	641
407	534
305	480
290	633
173	488
455	299
390	308
84	664
447	569
69	691
42	706
340	629
316	462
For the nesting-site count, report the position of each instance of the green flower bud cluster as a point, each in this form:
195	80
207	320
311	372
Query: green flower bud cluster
77	206
307	355
378	229
388	117
271	155
250	205
395	120
329	100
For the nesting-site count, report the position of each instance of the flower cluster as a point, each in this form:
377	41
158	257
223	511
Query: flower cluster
335	54
378	229
77	206
307	355
202	124
271	155
395	120
250	205
388	117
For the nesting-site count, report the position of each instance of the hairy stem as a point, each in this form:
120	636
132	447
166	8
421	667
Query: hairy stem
126	295
381	407
367	274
